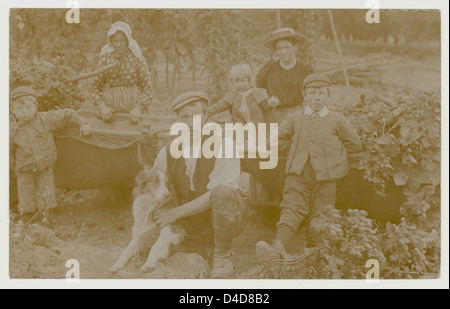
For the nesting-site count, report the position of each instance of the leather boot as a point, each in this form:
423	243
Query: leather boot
222	268
267	253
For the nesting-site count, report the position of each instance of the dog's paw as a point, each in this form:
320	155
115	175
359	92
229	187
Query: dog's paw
115	269
149	265
147	268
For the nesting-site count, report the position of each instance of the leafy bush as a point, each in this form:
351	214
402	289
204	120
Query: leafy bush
402	141
350	241
47	79
410	251
404	251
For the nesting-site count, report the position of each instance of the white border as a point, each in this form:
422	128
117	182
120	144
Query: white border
5	282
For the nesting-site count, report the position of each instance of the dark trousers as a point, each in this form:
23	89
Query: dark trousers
304	198
229	213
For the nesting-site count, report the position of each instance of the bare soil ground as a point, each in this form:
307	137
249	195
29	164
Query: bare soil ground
93	228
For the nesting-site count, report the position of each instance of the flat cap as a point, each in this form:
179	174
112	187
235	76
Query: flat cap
188	97
316	80
22	91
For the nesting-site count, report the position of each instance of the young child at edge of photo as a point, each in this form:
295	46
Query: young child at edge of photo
245	102
319	143
33	150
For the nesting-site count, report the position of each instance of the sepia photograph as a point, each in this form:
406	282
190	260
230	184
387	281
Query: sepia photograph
225	144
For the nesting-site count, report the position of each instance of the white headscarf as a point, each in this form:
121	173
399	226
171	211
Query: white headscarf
126	29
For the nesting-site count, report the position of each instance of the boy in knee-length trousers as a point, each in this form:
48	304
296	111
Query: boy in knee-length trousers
319	143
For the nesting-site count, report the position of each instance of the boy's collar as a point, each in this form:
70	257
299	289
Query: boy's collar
322	113
246	92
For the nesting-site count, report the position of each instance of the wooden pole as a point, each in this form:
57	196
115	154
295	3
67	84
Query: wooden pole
178	71
278	19
166	54
90	74
193	74
239	47
278	16
338	48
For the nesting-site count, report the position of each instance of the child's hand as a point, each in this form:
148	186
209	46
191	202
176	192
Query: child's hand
273	102
85	130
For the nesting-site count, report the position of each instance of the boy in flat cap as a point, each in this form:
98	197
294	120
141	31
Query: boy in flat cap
211	210
32	149
318	142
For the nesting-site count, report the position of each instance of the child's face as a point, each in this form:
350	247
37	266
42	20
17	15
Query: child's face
316	98
241	83
25	108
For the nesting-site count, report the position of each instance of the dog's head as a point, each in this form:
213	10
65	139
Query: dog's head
152	181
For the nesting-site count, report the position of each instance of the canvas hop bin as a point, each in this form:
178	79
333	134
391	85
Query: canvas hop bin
113	155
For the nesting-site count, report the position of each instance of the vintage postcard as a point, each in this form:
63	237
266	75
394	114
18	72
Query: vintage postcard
265	143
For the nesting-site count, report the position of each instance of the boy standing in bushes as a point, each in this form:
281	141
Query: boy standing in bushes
319	142
32	149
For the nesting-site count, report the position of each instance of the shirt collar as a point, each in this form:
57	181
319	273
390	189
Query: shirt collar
322	113
246	92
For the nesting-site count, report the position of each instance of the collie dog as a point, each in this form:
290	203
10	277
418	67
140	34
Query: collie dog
151	193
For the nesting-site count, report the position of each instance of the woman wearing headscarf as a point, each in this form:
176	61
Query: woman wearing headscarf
127	87
283	78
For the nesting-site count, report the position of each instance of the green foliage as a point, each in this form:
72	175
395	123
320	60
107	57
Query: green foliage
47	78
402	142
350	241
410	251
220	47
308	23
402	250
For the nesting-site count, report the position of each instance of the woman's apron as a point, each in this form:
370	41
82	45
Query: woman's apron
122	99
